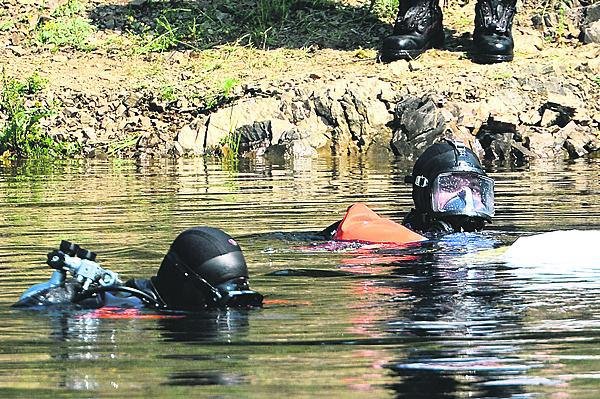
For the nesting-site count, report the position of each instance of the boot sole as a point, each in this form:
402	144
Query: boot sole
390	56
490	58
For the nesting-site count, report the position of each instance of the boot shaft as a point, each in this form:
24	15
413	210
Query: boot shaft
417	16
405	5
495	16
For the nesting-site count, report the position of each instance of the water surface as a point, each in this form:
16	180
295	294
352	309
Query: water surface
414	322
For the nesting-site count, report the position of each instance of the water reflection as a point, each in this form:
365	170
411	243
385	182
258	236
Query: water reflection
458	314
425	321
221	325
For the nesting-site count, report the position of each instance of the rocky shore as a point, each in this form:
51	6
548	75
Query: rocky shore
544	104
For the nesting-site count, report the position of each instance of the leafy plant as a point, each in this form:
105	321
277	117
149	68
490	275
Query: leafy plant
69	9
6	24
21	135
385	8
222	94
66	28
230	144
228	86
167	93
557	11
163	38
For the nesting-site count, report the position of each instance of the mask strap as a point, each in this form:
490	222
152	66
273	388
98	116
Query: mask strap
188	272
460	150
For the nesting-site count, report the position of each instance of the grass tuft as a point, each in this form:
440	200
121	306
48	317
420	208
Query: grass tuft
67	28
22	135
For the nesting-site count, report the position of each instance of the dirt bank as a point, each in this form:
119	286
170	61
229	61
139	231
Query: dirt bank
308	88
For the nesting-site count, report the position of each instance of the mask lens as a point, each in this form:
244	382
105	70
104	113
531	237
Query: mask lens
463	194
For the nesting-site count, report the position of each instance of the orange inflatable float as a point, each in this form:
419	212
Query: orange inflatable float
362	224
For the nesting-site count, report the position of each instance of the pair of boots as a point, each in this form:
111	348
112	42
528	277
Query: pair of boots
418	27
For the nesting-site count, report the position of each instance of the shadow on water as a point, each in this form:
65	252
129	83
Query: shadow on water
162	25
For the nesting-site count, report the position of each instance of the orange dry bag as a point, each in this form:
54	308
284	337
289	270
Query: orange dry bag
362	224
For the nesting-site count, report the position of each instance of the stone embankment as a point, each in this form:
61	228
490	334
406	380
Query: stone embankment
544	104
543	111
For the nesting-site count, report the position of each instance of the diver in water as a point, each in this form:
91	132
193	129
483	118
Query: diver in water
203	269
450	191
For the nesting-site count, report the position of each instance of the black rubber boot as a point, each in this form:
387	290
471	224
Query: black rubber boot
418	27
492	37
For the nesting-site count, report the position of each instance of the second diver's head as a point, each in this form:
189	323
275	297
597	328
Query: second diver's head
449	185
204	268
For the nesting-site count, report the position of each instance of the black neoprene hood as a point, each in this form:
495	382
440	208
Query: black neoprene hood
199	253
442	157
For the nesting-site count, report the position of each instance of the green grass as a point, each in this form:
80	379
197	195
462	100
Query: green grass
67	28
385	8
6	24
127	143
22	135
222	94
164	26
167	93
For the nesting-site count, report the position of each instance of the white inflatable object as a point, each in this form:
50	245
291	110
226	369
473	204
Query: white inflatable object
556	251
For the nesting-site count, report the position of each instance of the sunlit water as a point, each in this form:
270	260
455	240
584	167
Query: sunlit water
425	321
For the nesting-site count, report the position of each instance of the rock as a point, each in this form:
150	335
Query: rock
190	139
418	122
145	122
594	65
253	136
592	13
565	103
543	143
591	33
498	146
294	144
579	141
504	107
132	100
530	117
121	109
295	111
244	112
279	127
414	66
559	100
89	133
70	111
549	118
86	118
103	110
18	51
470	115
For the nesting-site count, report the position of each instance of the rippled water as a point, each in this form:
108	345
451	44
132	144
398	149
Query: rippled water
356	322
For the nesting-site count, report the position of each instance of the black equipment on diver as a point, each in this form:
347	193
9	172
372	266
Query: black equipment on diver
204	268
81	264
91	278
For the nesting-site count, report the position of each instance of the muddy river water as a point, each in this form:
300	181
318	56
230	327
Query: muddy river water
422	322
